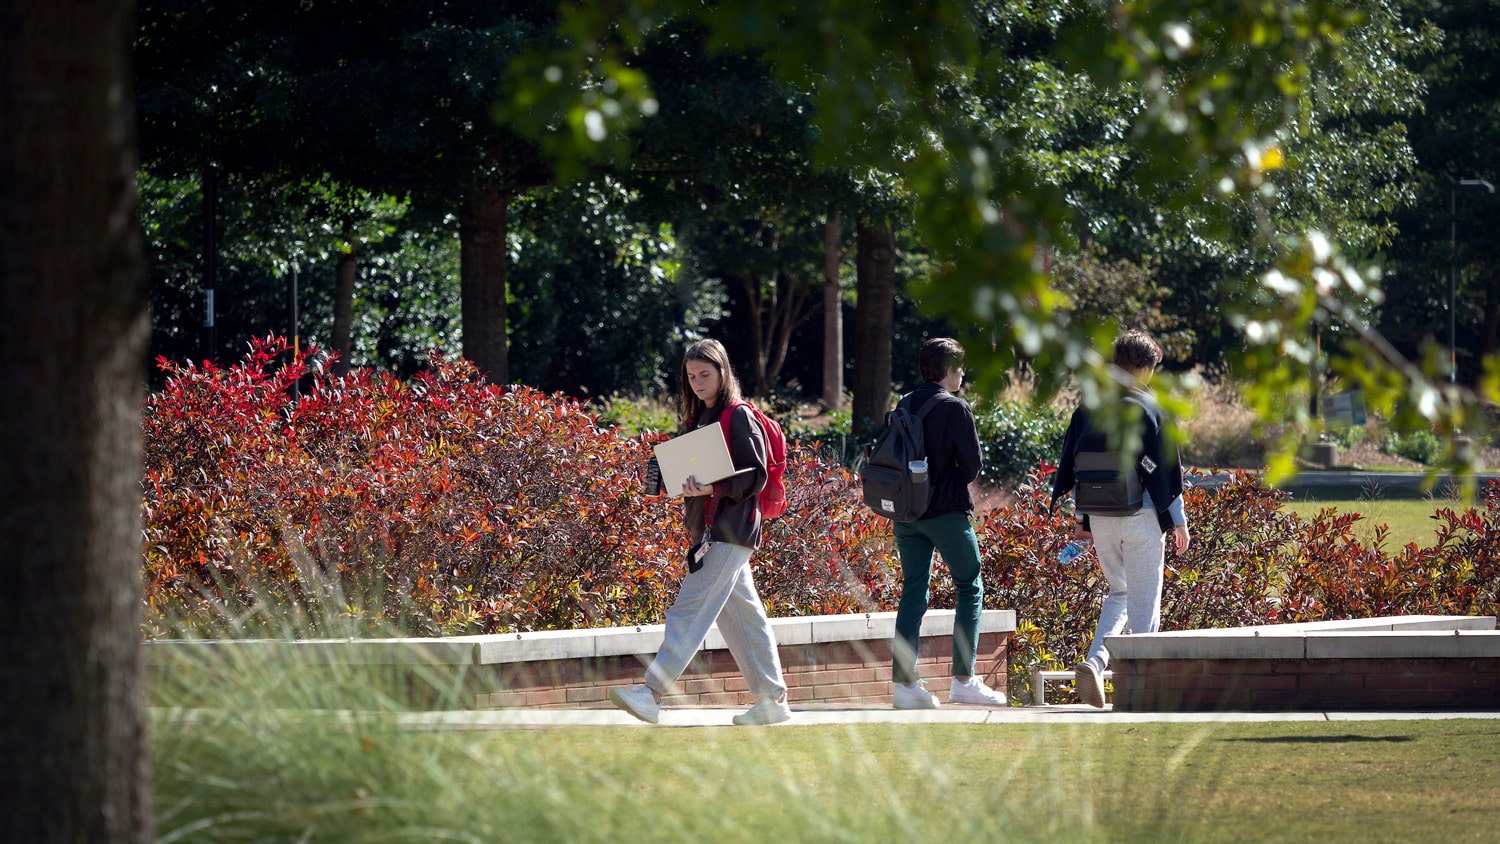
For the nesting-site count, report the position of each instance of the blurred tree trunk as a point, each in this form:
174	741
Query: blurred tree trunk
1489	333
833	316
482	269
750	288
794	305
874	323
778	307
343	310
74	763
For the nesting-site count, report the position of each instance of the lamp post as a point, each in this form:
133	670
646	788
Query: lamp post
291	303
1453	188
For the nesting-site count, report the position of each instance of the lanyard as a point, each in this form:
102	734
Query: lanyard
708	515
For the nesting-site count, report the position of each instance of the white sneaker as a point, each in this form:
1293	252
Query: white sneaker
1089	684
766	711
914	696
638	701
974	692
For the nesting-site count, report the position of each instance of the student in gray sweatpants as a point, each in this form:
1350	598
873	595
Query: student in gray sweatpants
724	521
1132	548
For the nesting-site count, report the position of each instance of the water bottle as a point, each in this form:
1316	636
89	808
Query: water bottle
653	478
918	470
1074	550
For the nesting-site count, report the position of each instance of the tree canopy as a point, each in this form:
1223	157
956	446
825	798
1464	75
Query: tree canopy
1232	120
1246	168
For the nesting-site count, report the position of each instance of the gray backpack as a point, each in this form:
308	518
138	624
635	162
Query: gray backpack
893	486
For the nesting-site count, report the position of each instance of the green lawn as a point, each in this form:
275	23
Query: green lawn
1394	781
1409	520
245	748
264	777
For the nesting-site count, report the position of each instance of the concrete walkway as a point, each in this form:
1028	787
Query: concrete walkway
501	719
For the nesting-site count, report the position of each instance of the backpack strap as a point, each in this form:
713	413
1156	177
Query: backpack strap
726	422
724	418
927	406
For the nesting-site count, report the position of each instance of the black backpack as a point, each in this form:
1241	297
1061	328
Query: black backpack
1102	488
891	488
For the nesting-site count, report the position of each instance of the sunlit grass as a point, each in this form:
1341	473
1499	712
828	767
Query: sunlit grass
264	773
249	747
1409	520
252	747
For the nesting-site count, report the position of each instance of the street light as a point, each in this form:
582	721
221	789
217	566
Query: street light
1453	188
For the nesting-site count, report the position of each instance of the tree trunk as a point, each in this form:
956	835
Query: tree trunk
482	268
874	323
343	310
755	301
790	309
73	308
833	315
210	261
774	316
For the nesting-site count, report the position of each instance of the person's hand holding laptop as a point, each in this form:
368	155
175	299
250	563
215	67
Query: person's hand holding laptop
691	463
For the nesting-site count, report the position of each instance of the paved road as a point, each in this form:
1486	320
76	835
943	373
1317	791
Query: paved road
1372	484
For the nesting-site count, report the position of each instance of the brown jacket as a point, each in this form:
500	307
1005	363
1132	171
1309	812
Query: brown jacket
736	513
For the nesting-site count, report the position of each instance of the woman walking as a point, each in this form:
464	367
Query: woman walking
724	521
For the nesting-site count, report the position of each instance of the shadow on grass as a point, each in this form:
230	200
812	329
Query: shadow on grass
1344	739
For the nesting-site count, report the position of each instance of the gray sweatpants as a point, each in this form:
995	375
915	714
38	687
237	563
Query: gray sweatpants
1132	551
723	591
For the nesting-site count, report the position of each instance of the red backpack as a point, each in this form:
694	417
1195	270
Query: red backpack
772	498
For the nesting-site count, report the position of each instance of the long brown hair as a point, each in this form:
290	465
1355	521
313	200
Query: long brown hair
708	351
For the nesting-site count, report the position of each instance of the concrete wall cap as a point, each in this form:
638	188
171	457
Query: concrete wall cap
564	644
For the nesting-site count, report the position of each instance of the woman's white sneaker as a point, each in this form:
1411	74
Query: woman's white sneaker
638	701
765	712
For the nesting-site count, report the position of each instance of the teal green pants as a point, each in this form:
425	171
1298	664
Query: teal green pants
953	536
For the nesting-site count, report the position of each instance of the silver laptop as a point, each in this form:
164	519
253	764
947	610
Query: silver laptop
702	454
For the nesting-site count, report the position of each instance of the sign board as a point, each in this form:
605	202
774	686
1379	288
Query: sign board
1344	410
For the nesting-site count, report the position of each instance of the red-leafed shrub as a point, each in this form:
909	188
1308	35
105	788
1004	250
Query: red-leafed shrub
1332	575
1231	574
1250	562
828	554
446	505
1227	577
1467	555
440	506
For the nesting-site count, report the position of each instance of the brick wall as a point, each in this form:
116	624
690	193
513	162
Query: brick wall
831	673
828	660
1389	663
1185	685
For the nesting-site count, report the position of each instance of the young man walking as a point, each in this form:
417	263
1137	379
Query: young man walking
953	460
1131	548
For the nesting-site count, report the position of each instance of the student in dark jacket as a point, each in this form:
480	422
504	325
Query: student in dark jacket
953	460
1131	549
